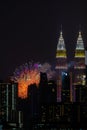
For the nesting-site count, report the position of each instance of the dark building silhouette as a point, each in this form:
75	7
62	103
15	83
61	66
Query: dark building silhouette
33	100
80	93
47	90
65	92
76	115
43	78
52	92
30	111
83	114
43	88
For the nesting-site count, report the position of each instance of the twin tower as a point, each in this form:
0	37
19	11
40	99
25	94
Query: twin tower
61	55
76	68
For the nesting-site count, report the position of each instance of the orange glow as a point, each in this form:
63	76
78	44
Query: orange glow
28	74
25	80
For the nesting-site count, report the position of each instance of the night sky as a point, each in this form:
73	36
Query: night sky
30	31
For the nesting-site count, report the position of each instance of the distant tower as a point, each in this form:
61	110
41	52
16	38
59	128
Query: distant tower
79	64
61	62
79	59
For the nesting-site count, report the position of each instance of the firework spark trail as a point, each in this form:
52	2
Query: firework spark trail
29	74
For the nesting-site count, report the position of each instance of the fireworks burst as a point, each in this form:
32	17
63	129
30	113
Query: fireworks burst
29	74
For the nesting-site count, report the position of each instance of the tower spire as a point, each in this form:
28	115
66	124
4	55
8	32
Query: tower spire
61	55
80	27
61	45
79	52
61	27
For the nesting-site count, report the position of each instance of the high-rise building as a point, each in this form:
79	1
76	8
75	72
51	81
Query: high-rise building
61	63
65	92
79	64
47	90
33	101
61	55
52	92
43	88
80	93
66	112
8	101
77	71
79	59
10	116
31	110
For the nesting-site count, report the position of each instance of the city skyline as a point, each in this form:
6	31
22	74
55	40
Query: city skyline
30	31
41	109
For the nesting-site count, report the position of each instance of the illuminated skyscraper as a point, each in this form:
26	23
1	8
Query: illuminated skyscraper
10	116
8	101
79	63
79	60
61	56
78	73
61	62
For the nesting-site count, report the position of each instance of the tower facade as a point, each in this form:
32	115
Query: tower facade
8	102
61	56
79	59
61	63
77	73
